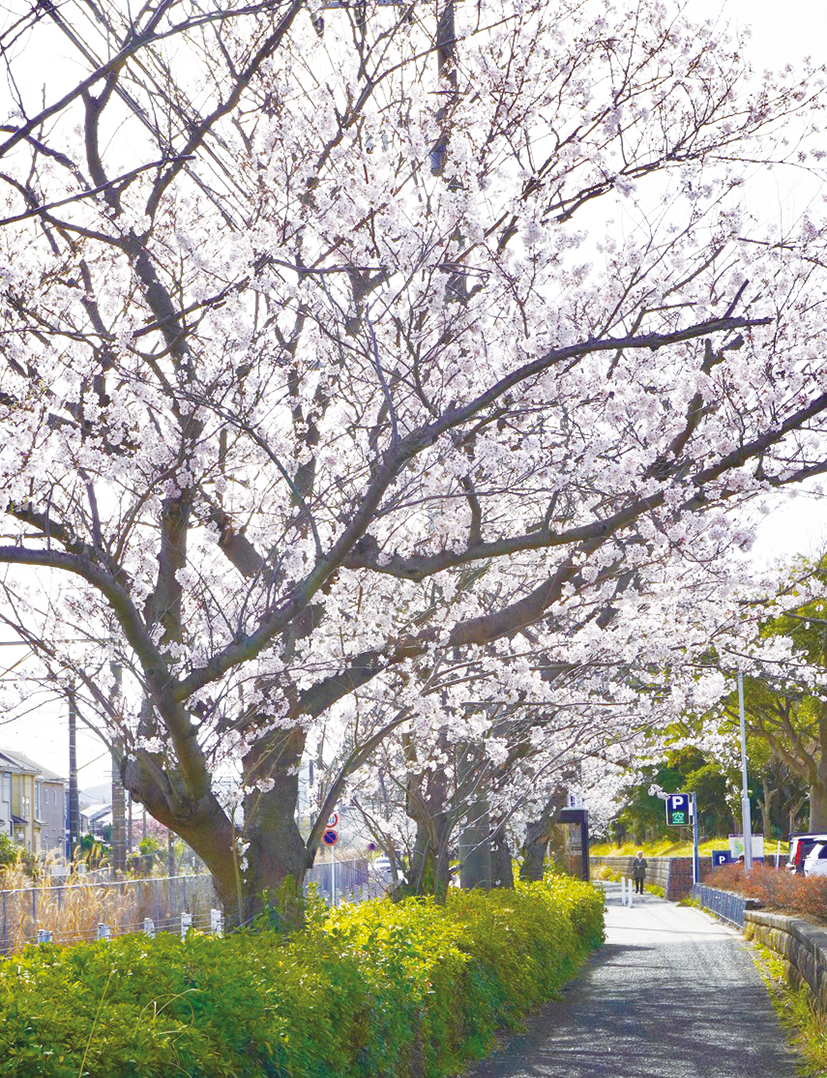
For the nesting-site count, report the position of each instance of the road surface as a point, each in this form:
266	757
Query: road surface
671	995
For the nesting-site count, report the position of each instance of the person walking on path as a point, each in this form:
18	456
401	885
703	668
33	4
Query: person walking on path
639	866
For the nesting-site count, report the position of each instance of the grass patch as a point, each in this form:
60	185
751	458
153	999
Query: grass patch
688	900
608	875
806	1030
662	848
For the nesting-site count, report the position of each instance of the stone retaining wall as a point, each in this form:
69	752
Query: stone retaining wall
673	874
802	945
799	943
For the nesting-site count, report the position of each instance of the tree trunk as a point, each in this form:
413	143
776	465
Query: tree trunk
428	804
502	865
537	835
475	848
766	808
534	849
203	825
429	872
818	807
475	836
261	866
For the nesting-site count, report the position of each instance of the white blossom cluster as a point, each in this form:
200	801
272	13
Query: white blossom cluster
345	391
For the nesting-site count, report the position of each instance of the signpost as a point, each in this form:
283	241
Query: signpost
737	847
696	867
330	837
681	810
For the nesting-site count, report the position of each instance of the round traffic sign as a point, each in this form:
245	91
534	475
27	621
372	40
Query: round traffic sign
333	819
330	837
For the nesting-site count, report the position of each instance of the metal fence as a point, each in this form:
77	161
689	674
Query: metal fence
354	881
69	911
724	903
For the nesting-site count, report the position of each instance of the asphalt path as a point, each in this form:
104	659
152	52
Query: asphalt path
672	994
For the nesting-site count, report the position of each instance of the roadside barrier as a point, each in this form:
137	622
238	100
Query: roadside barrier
725	904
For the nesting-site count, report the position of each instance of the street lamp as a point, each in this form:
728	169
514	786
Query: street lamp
746	820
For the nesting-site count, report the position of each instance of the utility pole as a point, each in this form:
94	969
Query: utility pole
118	818
74	804
118	796
696	870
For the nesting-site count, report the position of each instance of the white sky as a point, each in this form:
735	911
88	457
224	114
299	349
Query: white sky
782	33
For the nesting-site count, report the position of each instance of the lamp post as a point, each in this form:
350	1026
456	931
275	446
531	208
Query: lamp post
746	820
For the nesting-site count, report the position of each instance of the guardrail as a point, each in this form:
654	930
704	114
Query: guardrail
725	904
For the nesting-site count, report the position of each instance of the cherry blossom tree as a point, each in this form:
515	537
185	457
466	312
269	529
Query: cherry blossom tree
348	344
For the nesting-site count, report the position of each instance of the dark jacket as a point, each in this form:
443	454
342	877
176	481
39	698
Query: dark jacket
639	868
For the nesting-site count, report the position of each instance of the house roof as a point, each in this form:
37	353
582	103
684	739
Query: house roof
19	762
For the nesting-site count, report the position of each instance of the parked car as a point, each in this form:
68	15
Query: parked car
801	845
815	863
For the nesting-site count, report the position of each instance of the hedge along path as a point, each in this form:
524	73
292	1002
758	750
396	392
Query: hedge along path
369	991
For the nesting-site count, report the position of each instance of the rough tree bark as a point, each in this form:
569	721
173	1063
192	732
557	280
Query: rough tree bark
537	834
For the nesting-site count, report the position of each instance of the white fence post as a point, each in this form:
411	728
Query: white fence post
217	922
186	922
104	931
44	935
149	927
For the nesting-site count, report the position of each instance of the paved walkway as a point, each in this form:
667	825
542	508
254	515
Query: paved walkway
671	995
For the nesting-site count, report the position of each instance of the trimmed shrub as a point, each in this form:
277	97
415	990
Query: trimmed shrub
368	991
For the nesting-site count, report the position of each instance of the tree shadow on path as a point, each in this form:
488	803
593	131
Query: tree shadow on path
693	1008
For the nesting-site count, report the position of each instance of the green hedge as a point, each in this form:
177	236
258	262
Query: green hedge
369	991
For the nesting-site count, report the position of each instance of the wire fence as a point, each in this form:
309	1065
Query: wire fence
76	909
353	880
70	911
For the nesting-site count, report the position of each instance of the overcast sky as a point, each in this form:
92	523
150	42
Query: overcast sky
781	35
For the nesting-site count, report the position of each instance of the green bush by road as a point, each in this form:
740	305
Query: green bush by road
369	991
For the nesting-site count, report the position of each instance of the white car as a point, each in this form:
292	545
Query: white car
802	843
382	865
815	863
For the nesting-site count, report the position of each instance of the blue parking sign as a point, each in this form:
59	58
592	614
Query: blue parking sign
677	810
721	857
